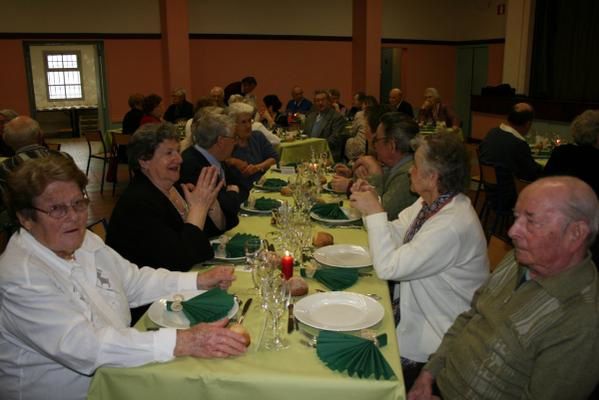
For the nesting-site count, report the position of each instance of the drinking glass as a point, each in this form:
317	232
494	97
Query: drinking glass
276	296
252	248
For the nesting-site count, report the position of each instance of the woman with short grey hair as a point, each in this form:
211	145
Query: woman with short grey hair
435	250
434	112
253	154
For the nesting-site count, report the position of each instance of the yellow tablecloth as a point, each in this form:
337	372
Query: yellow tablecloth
292	374
301	150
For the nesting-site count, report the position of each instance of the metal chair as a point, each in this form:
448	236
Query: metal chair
105	155
496	250
99	228
495	200
118	139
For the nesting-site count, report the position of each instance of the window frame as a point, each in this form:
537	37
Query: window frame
79	69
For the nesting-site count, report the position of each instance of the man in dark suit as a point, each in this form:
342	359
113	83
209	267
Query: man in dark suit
505	148
180	109
327	123
214	140
244	87
398	103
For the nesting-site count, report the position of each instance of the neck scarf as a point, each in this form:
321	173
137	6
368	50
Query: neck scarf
426	212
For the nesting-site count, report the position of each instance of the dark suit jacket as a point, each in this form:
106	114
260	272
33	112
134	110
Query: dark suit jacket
331	127
406	108
176	112
193	162
146	229
131	121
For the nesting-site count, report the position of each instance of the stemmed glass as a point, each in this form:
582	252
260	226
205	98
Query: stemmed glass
252	248
276	295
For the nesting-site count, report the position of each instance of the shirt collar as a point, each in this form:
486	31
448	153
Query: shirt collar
211	159
570	282
509	129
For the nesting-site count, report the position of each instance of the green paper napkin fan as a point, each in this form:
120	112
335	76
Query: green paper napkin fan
235	246
264	203
274	184
354	355
329	211
336	278
209	306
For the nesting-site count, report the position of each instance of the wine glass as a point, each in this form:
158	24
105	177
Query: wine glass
252	248
276	296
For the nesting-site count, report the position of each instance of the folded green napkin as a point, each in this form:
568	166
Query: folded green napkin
234	247
209	306
264	203
336	278
329	211
356	355
274	184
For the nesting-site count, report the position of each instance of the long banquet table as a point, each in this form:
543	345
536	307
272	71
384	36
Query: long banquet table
295	373
301	149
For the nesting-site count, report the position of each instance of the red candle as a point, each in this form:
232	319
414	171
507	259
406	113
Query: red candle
287	265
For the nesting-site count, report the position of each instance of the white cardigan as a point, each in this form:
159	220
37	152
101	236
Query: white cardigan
53	337
439	269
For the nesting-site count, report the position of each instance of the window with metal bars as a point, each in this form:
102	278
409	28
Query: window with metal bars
63	76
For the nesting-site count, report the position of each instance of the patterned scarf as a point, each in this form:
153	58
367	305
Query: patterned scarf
425	213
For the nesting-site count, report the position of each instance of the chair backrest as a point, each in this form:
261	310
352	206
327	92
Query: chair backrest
53	146
487	174
496	250
120	139
95	136
472	149
99	228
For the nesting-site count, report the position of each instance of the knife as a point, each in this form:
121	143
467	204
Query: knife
290	319
246	307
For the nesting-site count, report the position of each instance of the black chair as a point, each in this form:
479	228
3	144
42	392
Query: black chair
500	197
105	154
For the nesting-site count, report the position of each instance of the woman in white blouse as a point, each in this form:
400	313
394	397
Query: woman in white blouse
65	297
436	248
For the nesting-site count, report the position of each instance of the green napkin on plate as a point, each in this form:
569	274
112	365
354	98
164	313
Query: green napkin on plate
329	211
336	278
234	247
353	354
264	204
274	184
209	306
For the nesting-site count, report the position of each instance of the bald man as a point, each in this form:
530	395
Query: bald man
217	94
532	329
398	103
506	148
298	103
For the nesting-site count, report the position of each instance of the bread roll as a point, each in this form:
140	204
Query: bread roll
297	286
323	180
238	328
286	191
322	239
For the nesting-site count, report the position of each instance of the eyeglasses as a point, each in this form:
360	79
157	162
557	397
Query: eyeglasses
60	211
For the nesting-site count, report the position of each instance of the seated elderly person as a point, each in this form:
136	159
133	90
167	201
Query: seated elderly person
214	139
153	109
357	144
324	122
272	116
532	329
388	173
434	112
436	248
155	224
66	295
253	154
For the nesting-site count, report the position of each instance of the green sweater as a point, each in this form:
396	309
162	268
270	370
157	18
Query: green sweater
536	340
394	188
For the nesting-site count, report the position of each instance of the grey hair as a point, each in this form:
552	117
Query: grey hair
179	92
235	98
585	128
431	91
580	203
401	129
447	155
206	130
322	91
236	109
9	114
21	131
146	140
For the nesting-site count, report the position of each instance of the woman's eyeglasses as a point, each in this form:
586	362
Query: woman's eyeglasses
59	211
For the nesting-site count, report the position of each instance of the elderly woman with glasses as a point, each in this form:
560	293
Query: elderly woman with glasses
253	154
435	249
66	295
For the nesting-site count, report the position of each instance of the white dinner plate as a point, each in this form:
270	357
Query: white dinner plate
170	319
254	211
223	257
343	256
352	216
338	311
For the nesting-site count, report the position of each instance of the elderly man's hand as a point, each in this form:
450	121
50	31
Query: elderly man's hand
250	170
343	170
208	341
366	166
219	276
362	185
423	387
427	105
340	184
366	202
